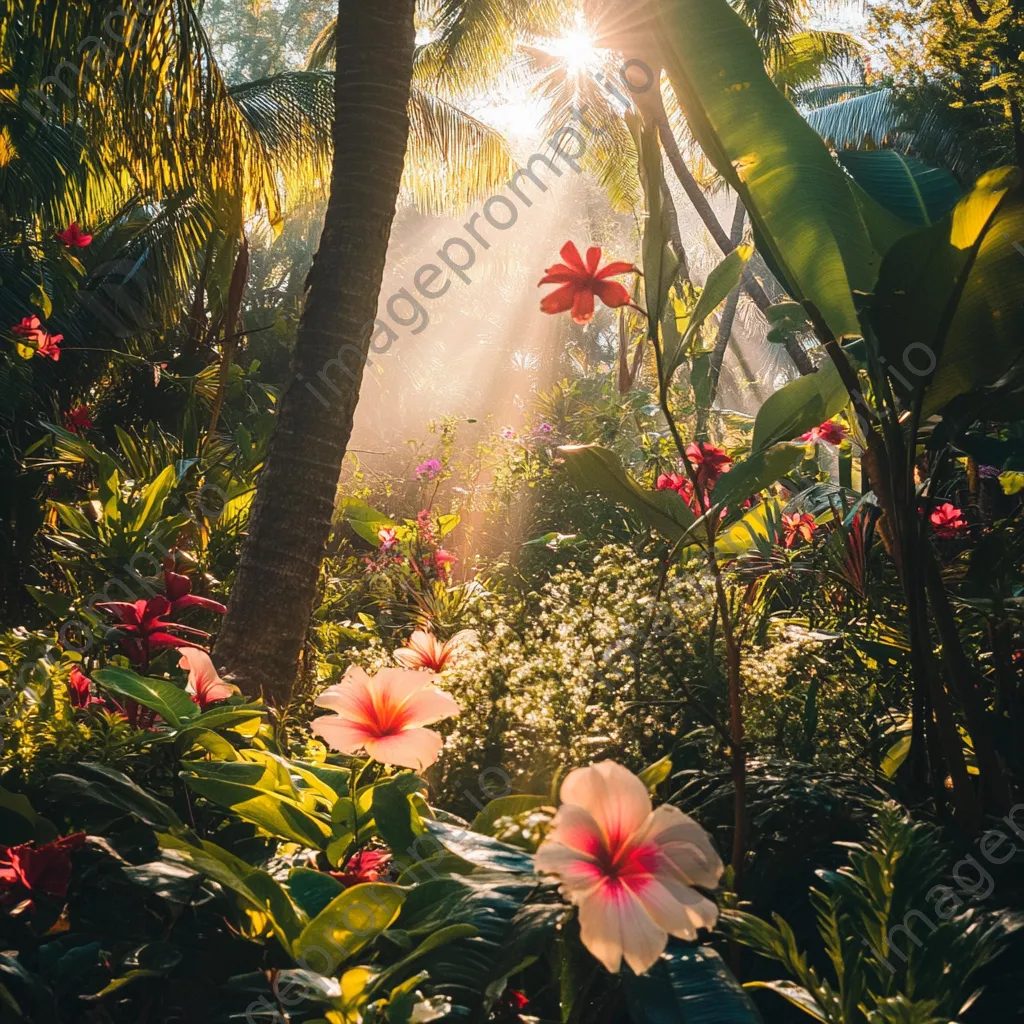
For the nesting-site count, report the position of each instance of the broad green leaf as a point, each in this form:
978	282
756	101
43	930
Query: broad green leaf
366	521
348	923
42	301
594	468
908	187
504	807
755	473
798	406
808	213
720	282
242	788
655	774
660	266
895	756
479	850
151	501
170	702
795	994
19	821
990	309
922	291
255	887
56	604
394	814
739	536
689	984
312	890
99	783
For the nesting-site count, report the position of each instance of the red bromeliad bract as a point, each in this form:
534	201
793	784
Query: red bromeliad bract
582	281
145	630
178	588
28	872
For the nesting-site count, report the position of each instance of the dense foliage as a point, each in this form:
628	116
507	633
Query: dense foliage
634	697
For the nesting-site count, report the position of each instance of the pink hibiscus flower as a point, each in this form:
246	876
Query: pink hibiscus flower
425	651
204	686
629	869
384	715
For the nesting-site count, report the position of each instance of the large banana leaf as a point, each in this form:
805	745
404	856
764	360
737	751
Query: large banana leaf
986	337
946	291
823	232
913	190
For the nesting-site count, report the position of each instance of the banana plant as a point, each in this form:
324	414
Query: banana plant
898	310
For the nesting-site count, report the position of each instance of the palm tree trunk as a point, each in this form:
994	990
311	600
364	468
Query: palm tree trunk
273	596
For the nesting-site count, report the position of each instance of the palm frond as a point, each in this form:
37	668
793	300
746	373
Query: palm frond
805	58
820	95
611	152
772	22
453	158
861	122
474	40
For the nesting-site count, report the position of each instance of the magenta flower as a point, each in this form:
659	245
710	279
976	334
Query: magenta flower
428	470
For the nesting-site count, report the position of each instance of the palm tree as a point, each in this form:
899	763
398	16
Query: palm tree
273	597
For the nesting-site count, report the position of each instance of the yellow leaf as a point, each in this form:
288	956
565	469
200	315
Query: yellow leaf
1011	483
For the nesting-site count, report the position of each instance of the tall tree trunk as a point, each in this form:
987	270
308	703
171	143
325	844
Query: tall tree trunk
272	600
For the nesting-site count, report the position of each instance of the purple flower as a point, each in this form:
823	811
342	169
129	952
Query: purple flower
508	434
545	428
988	472
428	470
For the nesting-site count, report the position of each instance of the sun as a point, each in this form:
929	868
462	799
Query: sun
577	48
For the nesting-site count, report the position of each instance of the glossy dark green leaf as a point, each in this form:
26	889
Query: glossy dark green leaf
479	850
170	702
689	984
916	192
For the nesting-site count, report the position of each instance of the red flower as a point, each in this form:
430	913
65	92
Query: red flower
178	588
144	630
28	872
443	561
508	1008
31	329
388	537
365	866
798	525
948	521
79	691
671	482
581	282
709	462
73	237
78	418
829	432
